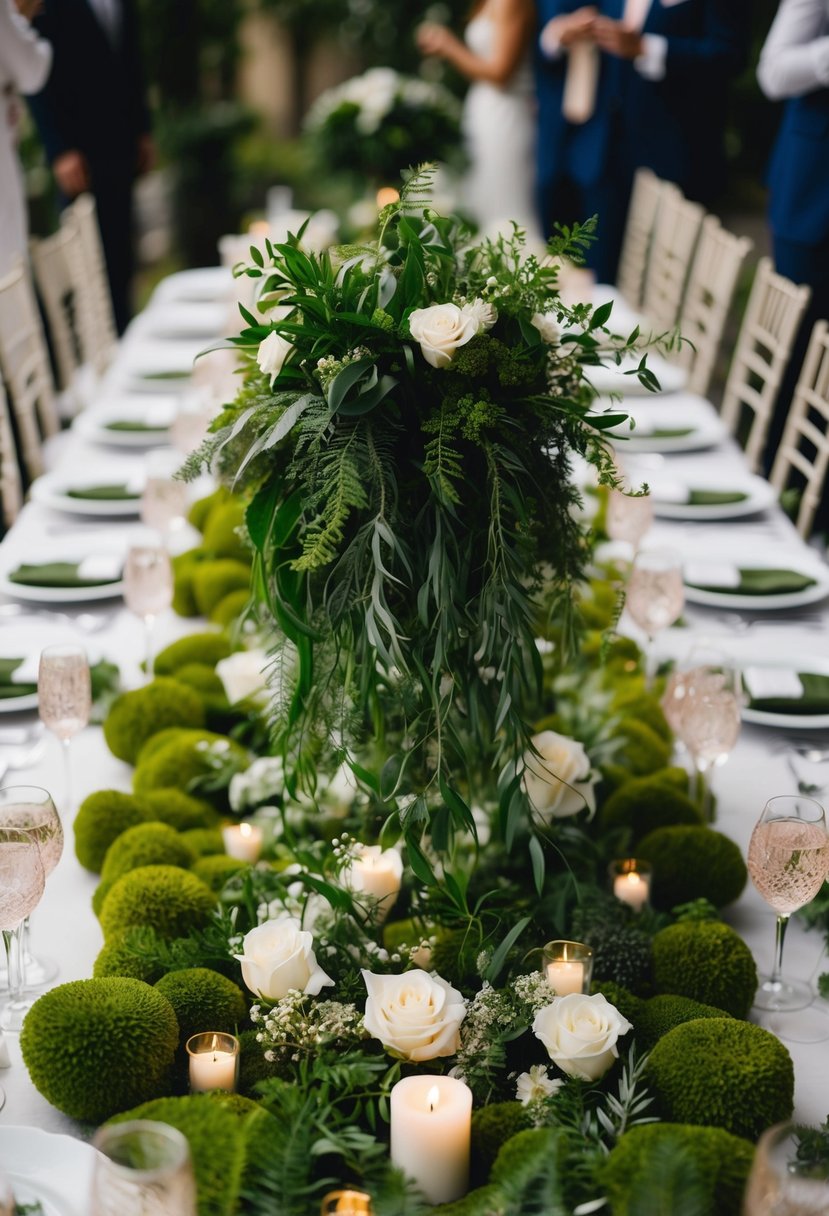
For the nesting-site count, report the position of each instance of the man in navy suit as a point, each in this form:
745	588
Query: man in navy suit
660	96
94	121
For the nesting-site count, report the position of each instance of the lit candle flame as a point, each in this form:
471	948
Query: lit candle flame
433	1097
632	878
245	829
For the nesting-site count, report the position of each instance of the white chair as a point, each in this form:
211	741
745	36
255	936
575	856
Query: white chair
645	199
99	335
764	346
60	292
24	361
675	236
11	487
804	447
711	284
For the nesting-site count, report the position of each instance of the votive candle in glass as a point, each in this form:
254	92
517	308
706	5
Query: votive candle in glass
631	879
431	1121
568	966
243	841
346	1203
214	1061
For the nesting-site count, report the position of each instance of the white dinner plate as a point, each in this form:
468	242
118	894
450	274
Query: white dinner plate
48	1168
759	496
51	490
696	424
613	378
789	660
60	595
18	705
175	321
779	560
93	425
195	286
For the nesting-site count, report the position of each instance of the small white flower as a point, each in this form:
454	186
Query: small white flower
441	330
483	314
547	326
272	353
533	1085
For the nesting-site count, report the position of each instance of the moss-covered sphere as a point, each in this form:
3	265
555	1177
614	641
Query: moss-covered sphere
179	810
116	957
206	647
100	820
721	1072
621	953
94	1047
661	1013
492	1126
217	869
642	750
168	900
646	803
693	863
184	567
708	962
230	607
483	1201
147	844
179	760
723	1162
142	712
213	580
205	842
201	509
221	534
203	999
454	957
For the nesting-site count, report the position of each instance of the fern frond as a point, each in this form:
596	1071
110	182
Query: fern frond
341	493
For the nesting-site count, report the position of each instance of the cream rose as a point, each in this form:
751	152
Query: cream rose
547	326
278	958
441	330
558	780
242	674
415	1015
580	1034
272	353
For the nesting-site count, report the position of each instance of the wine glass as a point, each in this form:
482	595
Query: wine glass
164	501
705	713
143	1168
628	517
783	1180
788	859
148	588
21	885
64	700
30	808
655	597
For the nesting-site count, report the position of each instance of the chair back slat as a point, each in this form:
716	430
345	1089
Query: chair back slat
11	484
24	362
97	321
639	227
804	447
674	240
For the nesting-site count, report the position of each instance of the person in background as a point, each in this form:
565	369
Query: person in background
25	60
94	121
625	84
499	124
794	66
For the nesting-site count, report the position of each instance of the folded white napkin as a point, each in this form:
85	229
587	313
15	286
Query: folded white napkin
763	682
712	574
26	673
104	567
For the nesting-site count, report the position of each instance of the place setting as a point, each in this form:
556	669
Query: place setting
673	422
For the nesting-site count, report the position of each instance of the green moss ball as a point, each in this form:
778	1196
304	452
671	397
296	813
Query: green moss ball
229	608
179	810
661	1013
708	962
642	750
455	956
222	532
205	647
484	1201
101	818
179	760
169	900
147	844
253	1067
212	581
621	953
117	957
216	870
203	999
641	707
492	1127
202	677
693	863
646	803
184	567
722	1073
137	715
205	842
199	512
99	895
95	1047
723	1162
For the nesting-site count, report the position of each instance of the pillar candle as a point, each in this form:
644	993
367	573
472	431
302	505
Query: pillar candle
431	1119
377	873
631	888
242	841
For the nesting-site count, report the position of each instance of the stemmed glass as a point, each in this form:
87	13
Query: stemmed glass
31	809
164	500
142	1168
783	1181
705	713
21	885
148	588
629	516
655	597
788	859
64	700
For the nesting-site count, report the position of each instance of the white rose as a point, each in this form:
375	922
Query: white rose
415	1015
559	780
272	353
263	779
441	330
535	1084
580	1034
547	326
242	674
483	314
279	958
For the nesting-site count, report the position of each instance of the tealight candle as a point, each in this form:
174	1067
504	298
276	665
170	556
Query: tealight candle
631	882
214	1061
568	966
346	1203
431	1121
242	840
377	873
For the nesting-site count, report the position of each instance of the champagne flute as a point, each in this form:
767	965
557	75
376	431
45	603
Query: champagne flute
788	859
148	588
21	886
164	501
64	700
143	1168
783	1181
628	517
655	597
30	808
708	717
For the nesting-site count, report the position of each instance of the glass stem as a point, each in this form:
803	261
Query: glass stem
148	638
650	663
67	776
779	938
704	798
13	939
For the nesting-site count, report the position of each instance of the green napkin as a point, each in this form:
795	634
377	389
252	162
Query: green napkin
764	582
104	493
7	688
663	432
54	574
815	699
171	375
714	498
134	424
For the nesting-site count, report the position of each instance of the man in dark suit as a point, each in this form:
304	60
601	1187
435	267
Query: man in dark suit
659	91
94	121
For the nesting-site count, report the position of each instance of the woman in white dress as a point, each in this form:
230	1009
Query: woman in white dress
499	123
25	60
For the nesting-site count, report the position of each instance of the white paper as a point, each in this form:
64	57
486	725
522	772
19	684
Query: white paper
101	567
765	682
712	574
26	673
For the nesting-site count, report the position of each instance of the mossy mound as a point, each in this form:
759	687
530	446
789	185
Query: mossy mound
205	647
708	962
184	568
213	580
454	957
147	844
722	1164
661	1013
641	707
200	510
137	715
217	869
179	760
94	1047
205	842
229	608
179	810
117	957
492	1127
621	953
222	529
203	999
164	898
642	750
693	863
484	1201
646	803
720	1072
100	820
253	1067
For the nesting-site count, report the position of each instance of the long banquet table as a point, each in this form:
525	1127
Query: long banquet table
64	925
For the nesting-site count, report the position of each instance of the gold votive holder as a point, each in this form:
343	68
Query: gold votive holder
568	966
346	1203
630	881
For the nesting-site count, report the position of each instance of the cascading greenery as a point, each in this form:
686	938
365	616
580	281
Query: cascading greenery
412	508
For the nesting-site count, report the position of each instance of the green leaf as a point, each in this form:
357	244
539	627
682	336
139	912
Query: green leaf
345	380
421	868
499	957
538	863
600	315
260	513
